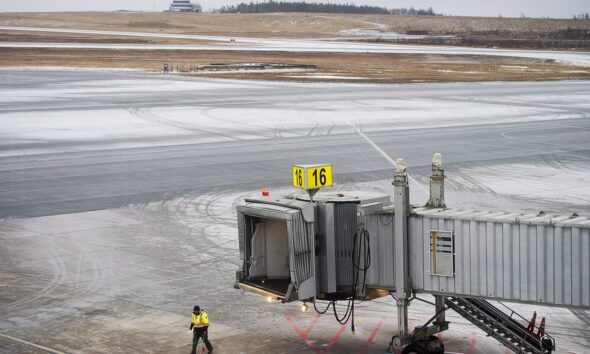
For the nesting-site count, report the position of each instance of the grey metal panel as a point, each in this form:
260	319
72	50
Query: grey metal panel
498	261
345	227
327	249
524	258
465	256
417	251
491	270
475	257
380	227
507	260
541	262
576	266
449	281
532	264
516	271
567	266
550	269
386	245
558	254
428	278
585	267
460	266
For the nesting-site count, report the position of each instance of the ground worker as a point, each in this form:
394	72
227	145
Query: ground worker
199	327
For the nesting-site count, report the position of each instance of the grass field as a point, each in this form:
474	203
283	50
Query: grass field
360	67
356	67
291	24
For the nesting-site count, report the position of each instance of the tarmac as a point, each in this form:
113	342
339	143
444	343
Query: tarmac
118	194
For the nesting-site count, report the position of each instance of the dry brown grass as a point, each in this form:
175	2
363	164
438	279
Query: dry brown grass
367	67
286	24
386	68
49	37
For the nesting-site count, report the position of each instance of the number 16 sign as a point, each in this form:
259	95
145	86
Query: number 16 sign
312	176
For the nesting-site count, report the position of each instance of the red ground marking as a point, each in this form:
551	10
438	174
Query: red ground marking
315	320
472	343
302	334
372	335
336	337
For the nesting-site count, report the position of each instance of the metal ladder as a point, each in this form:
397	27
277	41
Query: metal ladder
503	327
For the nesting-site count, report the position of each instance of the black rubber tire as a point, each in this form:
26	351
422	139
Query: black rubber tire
414	349
440	345
547	345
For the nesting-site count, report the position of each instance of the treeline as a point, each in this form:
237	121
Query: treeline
585	16
302	6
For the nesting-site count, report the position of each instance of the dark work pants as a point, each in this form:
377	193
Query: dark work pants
199	333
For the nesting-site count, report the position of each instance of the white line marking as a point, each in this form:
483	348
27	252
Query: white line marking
384	154
31	344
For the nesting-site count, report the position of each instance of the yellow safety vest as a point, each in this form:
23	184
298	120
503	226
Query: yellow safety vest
200	320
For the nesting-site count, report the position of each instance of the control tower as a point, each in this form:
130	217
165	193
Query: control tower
184	6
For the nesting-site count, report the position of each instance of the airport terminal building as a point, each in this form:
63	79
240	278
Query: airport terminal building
184	6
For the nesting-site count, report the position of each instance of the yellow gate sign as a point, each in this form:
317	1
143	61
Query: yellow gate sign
312	176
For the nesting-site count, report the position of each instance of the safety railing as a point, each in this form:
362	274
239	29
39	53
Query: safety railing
502	326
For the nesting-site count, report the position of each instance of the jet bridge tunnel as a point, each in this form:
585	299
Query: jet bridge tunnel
295	249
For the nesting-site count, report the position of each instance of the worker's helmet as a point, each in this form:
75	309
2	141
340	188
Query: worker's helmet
196	309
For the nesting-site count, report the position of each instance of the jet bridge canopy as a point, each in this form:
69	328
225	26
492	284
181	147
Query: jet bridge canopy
277	248
536	258
531	258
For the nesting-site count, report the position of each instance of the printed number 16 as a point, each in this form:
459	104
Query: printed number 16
299	175
322	177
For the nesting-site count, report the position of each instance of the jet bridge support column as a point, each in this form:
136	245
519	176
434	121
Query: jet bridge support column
437	183
403	287
437	200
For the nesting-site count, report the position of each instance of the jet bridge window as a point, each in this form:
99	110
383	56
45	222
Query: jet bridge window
442	253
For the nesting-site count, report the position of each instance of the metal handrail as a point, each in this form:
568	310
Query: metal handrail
525	320
467	313
527	334
494	315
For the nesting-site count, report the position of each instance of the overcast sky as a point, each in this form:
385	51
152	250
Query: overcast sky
512	8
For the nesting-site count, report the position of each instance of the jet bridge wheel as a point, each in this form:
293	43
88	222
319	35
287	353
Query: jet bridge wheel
435	346
548	345
414	349
432	345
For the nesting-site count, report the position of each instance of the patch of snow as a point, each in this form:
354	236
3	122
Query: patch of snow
384	34
457	71
247	71
336	77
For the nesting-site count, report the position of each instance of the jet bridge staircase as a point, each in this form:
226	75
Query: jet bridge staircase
503	327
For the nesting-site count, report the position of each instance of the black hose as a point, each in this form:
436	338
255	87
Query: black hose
362	237
322	312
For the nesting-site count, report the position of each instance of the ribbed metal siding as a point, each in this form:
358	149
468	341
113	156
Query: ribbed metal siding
380	274
301	238
507	256
345	225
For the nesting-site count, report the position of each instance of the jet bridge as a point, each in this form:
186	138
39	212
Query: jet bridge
359	245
